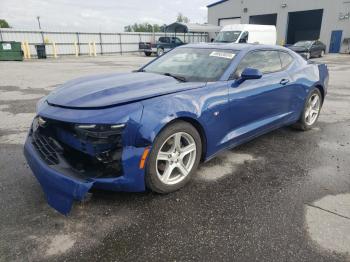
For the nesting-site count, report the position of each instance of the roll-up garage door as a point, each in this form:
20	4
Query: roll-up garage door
229	21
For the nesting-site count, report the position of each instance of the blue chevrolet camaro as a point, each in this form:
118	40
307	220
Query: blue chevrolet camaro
150	129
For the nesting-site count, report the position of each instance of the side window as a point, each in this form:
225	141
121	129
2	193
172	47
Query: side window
164	39
265	61
244	37
178	41
286	59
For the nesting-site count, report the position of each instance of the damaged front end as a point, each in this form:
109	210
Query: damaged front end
68	159
93	151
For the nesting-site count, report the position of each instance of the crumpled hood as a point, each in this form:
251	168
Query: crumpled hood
115	89
298	49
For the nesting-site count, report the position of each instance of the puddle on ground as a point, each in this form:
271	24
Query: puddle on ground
17	95
83	228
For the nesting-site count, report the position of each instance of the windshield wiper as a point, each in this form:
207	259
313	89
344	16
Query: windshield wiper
180	78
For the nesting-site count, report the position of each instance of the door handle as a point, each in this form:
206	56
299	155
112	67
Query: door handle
284	81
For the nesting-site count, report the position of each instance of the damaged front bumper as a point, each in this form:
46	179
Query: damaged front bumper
62	185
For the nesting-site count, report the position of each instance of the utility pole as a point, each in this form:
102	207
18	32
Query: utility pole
38	17
42	33
154	36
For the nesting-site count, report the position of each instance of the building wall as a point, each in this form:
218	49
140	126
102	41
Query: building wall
330	21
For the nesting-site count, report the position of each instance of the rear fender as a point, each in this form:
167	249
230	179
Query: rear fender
324	76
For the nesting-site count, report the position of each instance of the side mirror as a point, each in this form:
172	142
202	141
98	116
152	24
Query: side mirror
251	73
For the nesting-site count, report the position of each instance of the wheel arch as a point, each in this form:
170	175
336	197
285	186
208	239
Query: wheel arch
197	125
321	88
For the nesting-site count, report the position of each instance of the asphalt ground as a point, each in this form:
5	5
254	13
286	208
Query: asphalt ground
284	196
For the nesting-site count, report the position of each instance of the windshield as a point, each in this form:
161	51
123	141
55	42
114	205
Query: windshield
193	64
306	44
227	36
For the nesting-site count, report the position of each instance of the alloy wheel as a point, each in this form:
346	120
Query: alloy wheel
313	109
176	158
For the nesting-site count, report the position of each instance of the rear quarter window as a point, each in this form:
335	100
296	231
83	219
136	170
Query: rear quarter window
286	59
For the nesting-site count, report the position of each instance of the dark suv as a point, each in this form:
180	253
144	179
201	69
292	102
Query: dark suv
164	44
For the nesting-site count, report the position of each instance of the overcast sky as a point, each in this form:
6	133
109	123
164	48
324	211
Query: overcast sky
98	15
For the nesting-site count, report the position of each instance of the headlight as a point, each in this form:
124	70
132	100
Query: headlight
99	130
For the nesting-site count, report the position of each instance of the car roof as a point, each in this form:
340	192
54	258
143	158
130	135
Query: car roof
233	46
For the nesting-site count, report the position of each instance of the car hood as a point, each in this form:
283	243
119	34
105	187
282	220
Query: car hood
298	49
116	89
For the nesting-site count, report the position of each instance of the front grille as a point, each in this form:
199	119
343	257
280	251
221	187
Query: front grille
88	153
47	148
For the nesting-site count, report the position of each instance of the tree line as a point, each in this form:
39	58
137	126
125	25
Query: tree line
4	24
136	27
147	27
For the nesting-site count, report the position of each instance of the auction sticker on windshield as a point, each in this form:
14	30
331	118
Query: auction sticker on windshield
222	54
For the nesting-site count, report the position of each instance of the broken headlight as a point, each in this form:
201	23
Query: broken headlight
99	132
104	143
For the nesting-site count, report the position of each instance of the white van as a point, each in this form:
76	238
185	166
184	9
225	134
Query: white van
248	33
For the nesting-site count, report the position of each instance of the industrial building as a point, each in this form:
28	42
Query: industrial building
295	20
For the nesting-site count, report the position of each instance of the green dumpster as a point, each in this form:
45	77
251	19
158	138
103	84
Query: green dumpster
11	51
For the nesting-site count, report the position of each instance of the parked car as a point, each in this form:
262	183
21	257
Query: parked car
247	33
164	44
150	129
309	49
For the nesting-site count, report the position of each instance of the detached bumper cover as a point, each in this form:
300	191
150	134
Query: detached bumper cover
61	189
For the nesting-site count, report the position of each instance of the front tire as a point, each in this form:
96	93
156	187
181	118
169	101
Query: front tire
160	51
174	158
311	112
148	53
322	53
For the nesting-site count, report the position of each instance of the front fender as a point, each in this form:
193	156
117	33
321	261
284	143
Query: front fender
158	112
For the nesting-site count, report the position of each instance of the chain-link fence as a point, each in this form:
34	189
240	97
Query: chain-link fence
67	43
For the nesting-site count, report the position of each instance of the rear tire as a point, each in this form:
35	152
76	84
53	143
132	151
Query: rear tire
174	158
148	53
311	112
322	53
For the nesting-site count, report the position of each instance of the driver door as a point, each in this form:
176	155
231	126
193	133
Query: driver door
260	104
